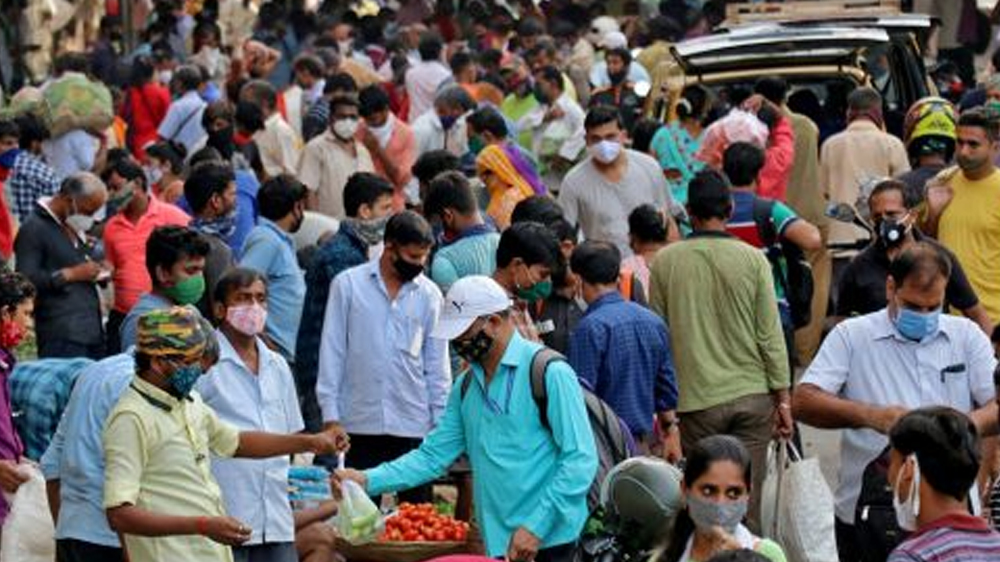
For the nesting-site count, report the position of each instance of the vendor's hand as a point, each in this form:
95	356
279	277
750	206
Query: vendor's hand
523	546
671	442
341	440
882	419
324	443
784	426
368	139
85	272
352	475
11	476
753	103
226	530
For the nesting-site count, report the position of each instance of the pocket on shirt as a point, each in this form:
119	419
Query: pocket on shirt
958	390
411	337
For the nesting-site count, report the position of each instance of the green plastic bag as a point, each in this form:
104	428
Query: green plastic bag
79	103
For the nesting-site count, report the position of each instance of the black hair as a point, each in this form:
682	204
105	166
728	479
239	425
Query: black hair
552	74
130	170
168	245
995	337
32	129
530	27
372	100
346	100
311	64
278	196
596	262
459	61
487	120
187	78
922	263
430	46
620	52
205	154
432	163
340	82
979	118
647	224
708	196
545	210
364	188
532	242
643	132
408	229
773	88
141	72
71	62
205	180
946	445
602	115
15	288
248	116
885	186
450	190
739	555
742	162
259	92
662	28
9	128
864	99
171	152
236	278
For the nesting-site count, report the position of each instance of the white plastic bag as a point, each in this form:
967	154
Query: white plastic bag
359	520
737	126
28	532
797	507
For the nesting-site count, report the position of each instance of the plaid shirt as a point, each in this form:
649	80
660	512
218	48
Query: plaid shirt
39	391
31	178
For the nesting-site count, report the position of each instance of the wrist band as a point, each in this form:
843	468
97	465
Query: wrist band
200	525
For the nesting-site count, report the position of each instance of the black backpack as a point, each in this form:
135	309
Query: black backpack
796	280
612	437
875	525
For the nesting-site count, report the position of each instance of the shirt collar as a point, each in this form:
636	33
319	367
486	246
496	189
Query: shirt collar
862	125
958	521
514	352
271	225
885	328
155	395
272	120
228	353
608	298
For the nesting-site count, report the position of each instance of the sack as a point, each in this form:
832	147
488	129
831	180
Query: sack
79	103
359	520
612	437
28	532
28	100
736	126
875	524
796	278
797	506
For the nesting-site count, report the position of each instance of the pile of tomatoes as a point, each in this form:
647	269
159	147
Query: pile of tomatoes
421	522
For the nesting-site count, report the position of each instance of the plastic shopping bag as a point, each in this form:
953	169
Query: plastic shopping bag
736	126
359	520
28	532
797	507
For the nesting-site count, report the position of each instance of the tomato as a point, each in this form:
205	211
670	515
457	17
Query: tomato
420	538
410	535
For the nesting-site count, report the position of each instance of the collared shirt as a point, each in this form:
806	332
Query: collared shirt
422	81
75	456
865	359
183	121
39	391
255	490
622	351
146	303
557	138
523	474
278	145
325	168
71	152
469	255
271	251
380	371
156	451
430	135
342	252
31	178
125	249
952	538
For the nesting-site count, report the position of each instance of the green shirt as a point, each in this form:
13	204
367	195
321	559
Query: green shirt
514	108
716	294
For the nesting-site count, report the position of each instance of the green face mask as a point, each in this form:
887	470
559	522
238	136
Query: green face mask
188	291
537	292
476	145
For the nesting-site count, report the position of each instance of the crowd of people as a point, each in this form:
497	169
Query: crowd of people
354	229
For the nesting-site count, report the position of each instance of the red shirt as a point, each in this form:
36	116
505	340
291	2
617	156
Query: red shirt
772	181
146	108
125	250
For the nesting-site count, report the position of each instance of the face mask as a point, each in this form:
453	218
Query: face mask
407	271
345	128
707	514
120	200
187	291
917	326
165	76
184	379
537	292
383	134
605	151
299	219
447	121
11	334
154	174
476	145
617	77
371	232
247	319
475	348
80	223
540	95
8	158
223	226
908	509
892	232
222	140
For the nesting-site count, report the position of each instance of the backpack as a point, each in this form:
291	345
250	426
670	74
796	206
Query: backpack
612	437
796	280
875	524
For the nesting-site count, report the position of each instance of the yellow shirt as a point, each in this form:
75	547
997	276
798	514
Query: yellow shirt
156	454
970	227
325	168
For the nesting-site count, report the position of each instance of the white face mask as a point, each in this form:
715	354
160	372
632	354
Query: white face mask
345	128
383	133
908	509
80	223
605	151
154	174
165	76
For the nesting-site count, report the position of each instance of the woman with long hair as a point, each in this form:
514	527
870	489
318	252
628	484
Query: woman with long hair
675	145
144	107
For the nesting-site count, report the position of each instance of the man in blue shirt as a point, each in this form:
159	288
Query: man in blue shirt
382	376
39	392
622	351
530	483
270	250
368	204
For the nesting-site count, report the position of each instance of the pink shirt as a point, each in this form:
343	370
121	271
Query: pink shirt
772	182
125	249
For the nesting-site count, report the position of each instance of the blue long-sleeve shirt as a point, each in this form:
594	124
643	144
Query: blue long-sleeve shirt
622	351
524	475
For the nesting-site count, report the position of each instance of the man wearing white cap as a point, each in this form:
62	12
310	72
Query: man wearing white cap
599	76
530	482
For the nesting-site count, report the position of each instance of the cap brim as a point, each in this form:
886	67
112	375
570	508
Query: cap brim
450	328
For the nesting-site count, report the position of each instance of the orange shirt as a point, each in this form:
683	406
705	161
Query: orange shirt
125	249
402	151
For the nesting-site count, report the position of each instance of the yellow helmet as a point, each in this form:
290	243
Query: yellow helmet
930	116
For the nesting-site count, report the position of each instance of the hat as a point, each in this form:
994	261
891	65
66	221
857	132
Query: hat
173	332
468	299
614	40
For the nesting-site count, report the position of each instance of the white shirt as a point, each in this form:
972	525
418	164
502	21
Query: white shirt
278	146
422	81
72	152
255	491
599	77
562	137
430	135
865	359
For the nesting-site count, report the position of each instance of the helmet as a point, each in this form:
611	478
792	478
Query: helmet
642	495
929	126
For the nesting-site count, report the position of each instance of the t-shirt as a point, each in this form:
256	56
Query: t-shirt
742	226
970	227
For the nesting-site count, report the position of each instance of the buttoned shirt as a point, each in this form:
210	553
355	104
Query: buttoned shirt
271	251
255	491
430	135
183	121
31	178
524	474
279	146
380	371
422	82
39	391
75	456
865	359
325	168
156	454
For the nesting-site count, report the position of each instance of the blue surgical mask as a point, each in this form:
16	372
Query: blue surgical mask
184	379
917	326
8	158
447	121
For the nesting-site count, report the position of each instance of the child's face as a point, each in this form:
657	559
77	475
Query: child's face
7	143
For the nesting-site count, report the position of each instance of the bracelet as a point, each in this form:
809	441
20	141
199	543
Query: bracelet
200	526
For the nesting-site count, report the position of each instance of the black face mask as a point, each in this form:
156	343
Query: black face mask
891	233
222	140
617	77
299	219
407	271
475	348
540	95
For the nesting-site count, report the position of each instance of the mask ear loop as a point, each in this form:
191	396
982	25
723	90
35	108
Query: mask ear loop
915	486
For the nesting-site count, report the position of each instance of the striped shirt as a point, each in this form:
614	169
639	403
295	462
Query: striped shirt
953	538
